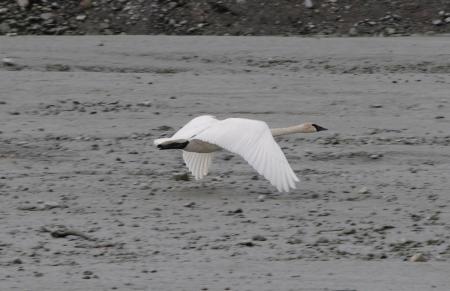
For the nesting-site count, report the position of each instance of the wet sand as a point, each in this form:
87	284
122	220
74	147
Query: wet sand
88	203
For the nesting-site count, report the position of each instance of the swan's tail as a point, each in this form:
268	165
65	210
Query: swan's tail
169	143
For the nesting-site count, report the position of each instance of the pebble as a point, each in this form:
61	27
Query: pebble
353	31
8	62
375	156
309	4
190	204
81	17
17	261
259	237
261	198
419	257
363	190
247	243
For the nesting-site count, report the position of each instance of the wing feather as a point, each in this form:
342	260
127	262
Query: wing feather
253	140
195	126
197	163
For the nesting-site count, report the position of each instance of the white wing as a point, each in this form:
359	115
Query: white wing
197	163
195	126
191	128
253	140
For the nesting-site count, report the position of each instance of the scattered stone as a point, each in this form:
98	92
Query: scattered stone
8	62
259	237
294	241
182	177
17	261
23	3
47	15
261	198
247	243
190	204
41	207
419	257
390	30
437	22
147	104
165	128
236	211
363	190
309	4
375	156
353	31
59	231
81	17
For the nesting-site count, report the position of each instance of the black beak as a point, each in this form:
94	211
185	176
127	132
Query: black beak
319	128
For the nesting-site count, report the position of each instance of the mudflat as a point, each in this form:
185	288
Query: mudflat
88	203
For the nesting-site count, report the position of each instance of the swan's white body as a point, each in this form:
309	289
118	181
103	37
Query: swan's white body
251	139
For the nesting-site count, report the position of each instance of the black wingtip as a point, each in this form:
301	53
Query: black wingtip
319	128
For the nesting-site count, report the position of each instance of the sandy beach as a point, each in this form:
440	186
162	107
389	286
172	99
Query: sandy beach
88	203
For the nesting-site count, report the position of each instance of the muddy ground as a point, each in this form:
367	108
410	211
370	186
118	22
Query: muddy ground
88	203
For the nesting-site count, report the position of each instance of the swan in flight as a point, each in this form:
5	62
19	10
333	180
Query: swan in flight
249	138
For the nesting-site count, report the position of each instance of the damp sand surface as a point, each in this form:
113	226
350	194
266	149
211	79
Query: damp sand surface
88	203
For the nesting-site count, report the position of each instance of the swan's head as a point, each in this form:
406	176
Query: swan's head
309	127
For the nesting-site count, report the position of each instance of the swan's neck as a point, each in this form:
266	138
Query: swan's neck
289	130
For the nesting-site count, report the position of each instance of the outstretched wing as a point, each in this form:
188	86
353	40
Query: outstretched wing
253	140
198	163
195	126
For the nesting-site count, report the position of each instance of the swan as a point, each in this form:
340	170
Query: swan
249	138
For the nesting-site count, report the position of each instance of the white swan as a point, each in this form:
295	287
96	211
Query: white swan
252	139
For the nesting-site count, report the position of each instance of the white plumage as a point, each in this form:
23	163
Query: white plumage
251	139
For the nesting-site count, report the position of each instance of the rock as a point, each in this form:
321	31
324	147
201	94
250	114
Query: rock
190	204
294	241
353	31
165	128
236	211
247	243
3	10
81	17
376	106
147	104
47	16
4	28
447	20
8	62
182	177
309	4
437	22
390	30
419	257
51	204
259	237
375	156
17	261
85	4
23	3
363	190
261	198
